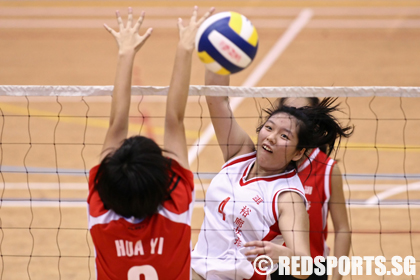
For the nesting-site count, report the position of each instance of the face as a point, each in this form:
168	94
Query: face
297	102
277	141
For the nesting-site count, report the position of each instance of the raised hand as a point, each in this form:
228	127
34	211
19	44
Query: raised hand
128	38
129	42
187	33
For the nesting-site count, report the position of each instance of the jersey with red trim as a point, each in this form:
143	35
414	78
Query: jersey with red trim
238	211
157	247
315	174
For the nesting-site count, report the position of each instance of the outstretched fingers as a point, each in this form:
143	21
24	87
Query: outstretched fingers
139	21
119	20
144	38
180	24
110	30
194	15
205	16
147	34
130	17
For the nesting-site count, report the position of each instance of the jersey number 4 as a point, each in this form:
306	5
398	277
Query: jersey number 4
222	207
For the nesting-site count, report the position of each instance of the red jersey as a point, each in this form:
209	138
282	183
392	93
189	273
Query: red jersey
315	174
157	247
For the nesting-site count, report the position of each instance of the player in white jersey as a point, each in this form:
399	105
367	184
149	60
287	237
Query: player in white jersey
266	173
141	196
247	209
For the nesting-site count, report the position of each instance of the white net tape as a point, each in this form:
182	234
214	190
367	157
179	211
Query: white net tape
13	90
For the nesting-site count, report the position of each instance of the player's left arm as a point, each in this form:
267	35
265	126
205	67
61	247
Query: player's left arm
293	222
338	211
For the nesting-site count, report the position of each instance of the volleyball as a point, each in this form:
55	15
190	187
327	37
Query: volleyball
226	43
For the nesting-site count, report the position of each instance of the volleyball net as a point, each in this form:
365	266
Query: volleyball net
50	136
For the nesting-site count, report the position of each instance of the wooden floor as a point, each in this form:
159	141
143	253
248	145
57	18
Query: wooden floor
345	43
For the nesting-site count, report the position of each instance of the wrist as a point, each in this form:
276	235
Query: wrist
126	53
185	49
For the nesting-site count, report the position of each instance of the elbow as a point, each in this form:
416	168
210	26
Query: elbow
216	100
343	231
118	126
172	120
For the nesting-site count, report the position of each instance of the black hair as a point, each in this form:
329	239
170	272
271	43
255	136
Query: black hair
134	180
313	101
317	126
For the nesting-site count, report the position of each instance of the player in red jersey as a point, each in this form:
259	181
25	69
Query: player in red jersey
141	196
322	181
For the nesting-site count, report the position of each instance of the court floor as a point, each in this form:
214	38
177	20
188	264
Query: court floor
44	157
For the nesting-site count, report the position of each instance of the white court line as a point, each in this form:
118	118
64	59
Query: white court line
374	200
401	23
44	186
108	12
356	206
46	204
281	44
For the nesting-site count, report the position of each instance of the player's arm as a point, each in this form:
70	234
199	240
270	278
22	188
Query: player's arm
294	225
174	138
232	139
293	222
129	42
338	211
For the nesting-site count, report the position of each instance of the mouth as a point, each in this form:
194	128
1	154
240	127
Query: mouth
267	148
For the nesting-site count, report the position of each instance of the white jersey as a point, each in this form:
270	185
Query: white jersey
237	211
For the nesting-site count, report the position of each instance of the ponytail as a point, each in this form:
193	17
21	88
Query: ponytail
317	127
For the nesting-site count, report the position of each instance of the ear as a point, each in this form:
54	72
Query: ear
299	154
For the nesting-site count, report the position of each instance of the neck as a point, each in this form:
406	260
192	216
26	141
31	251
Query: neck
257	171
303	158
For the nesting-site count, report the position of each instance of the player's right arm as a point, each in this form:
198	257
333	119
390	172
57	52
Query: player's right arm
174	137
232	139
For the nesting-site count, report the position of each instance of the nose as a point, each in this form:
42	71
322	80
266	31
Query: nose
271	138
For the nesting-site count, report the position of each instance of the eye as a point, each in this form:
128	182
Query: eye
284	136
268	127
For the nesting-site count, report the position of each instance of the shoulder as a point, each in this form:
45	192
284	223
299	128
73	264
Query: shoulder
96	207
323	158
292	188
176	167
317	160
180	175
290	199
240	159
92	175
